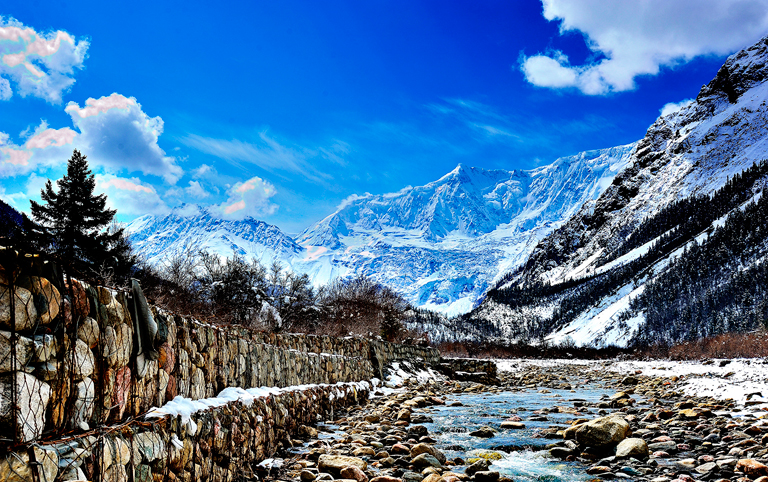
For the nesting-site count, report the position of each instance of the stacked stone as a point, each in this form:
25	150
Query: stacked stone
470	370
27	358
226	442
211	359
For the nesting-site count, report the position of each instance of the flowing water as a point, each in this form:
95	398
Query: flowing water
521	451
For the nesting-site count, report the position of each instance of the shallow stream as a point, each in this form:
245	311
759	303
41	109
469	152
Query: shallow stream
520	449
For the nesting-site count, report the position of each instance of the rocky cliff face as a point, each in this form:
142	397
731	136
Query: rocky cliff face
692	151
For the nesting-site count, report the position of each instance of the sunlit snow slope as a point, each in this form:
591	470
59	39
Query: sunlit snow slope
693	151
190	228
443	244
440	245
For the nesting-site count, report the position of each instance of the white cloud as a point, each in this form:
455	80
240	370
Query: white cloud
270	154
113	132
196	190
639	37
248	199
5	89
39	64
116	133
673	107
51	137
351	199
130	196
203	171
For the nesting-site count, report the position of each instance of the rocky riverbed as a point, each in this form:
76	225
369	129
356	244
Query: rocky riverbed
643	428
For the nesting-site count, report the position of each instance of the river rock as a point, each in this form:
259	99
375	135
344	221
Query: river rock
602	431
89	332
32	397
632	447
484	432
752	467
117	345
509	424
426	460
49	299
337	462
24	308
486	476
386	478
147	447
15	467
354	473
24	351
80	362
404	415
433	478
478	466
423	448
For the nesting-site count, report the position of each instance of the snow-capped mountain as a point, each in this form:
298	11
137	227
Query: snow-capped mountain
691	152
190	228
440	245
443	244
567	248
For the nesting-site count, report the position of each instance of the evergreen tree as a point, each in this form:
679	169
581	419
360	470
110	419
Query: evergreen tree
75	220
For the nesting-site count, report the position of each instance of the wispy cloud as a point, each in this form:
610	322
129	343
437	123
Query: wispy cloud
271	154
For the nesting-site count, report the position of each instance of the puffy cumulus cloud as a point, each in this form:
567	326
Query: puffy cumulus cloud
45	147
636	38
45	138
119	135
672	107
39	64
113	132
248	199
130	196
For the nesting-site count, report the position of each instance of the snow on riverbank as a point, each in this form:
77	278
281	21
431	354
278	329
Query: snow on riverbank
741	379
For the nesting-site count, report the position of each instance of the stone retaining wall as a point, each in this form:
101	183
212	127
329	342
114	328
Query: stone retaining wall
81	366
469	369
77	357
219	445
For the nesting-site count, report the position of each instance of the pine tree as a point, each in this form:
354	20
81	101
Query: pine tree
75	220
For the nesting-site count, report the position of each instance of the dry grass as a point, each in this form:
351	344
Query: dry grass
731	345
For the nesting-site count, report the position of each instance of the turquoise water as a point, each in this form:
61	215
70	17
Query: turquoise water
523	456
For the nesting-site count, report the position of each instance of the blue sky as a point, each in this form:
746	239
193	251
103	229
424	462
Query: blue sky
281	110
